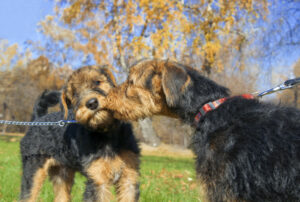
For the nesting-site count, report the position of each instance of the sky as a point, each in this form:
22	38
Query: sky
19	18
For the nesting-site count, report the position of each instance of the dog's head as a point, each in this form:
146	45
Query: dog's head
84	92
152	87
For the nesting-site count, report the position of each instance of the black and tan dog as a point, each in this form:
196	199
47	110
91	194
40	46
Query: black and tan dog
100	147
245	150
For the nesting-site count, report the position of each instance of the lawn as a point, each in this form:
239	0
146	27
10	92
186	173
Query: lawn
162	178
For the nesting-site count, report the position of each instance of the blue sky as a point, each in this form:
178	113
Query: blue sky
19	18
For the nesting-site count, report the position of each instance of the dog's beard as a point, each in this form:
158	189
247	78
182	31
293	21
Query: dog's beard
97	120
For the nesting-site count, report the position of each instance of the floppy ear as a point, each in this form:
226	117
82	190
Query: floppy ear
65	103
175	82
109	75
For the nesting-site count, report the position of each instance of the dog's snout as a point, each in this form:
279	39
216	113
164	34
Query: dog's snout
92	104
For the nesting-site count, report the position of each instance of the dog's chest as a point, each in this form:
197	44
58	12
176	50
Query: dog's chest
109	168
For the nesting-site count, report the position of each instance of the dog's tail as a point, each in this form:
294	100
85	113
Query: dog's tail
46	100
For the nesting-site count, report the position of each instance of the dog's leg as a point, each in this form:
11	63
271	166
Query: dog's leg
128	184
90	192
62	179
100	174
35	170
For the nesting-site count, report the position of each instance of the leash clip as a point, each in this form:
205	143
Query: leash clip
286	85
62	123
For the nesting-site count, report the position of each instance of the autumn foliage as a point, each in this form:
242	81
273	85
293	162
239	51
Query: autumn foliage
120	31
21	85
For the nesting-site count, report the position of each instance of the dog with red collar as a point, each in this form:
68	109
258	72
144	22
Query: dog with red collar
246	150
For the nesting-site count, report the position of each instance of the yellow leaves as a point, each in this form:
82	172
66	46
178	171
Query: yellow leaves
11	51
144	3
132	14
137	20
247	4
229	22
8	53
210	50
84	33
92	24
162	40
156	38
103	46
140	47
115	29
50	27
19	62
187	27
71	12
49	18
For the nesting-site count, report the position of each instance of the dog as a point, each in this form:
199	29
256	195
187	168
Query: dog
100	147
246	150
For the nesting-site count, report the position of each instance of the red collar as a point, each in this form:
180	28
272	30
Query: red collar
215	104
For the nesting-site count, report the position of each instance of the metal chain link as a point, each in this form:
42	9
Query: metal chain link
60	123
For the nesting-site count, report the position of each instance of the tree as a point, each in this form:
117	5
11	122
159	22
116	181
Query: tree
119	31
11	56
21	85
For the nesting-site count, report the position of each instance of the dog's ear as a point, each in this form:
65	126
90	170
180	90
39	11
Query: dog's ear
110	77
105	69
175	82
66	103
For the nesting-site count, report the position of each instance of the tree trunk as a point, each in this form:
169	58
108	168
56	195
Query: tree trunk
296	96
5	116
148	132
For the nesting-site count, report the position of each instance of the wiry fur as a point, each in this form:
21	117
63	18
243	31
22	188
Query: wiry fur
245	150
106	154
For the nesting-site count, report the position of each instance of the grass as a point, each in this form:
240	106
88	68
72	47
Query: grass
163	179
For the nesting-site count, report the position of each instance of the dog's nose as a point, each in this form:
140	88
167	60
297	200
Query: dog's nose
92	104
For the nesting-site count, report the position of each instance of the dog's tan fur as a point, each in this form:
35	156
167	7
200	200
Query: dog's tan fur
134	99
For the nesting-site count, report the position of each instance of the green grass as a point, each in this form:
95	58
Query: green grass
162	178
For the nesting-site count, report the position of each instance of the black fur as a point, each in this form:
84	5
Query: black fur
246	150
74	146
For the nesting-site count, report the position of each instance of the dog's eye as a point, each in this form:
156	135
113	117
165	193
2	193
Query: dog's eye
130	82
97	82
